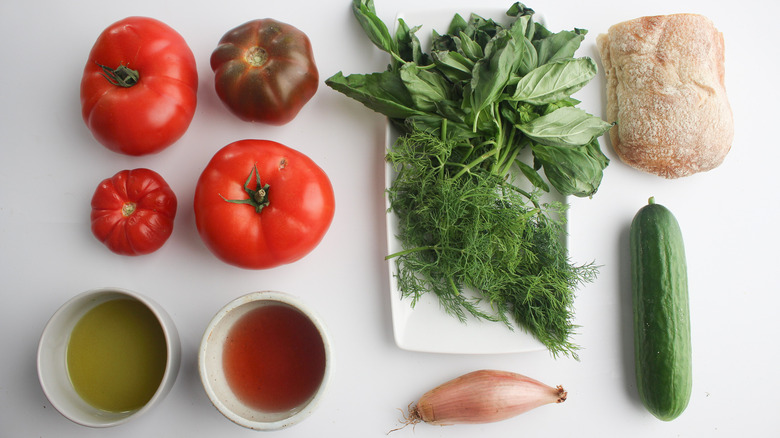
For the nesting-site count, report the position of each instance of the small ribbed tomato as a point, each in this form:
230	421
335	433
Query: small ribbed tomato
133	212
265	71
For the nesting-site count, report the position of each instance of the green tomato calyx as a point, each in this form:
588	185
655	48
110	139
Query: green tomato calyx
122	76
258	197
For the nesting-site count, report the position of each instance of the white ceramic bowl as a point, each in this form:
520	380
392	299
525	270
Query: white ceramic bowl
213	376
52	359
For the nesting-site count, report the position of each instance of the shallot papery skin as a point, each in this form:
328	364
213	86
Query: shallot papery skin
483	396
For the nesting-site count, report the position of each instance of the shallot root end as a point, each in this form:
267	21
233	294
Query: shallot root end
561	394
410	417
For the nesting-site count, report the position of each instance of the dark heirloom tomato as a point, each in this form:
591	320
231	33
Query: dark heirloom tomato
133	212
139	87
260	204
264	71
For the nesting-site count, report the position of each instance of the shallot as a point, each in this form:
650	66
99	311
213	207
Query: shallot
483	396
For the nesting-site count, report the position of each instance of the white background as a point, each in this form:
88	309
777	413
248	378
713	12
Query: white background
50	165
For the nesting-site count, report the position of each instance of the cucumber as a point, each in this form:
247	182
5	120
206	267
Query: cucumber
662	327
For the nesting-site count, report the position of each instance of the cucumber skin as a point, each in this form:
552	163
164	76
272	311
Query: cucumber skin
662	333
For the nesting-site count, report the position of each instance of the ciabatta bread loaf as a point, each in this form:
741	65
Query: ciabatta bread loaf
665	89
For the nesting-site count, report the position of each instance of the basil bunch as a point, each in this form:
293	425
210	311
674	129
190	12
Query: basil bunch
495	88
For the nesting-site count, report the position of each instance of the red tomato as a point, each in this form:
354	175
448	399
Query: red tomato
133	212
260	204
139	87
264	71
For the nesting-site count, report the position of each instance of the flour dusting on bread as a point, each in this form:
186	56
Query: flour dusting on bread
665	89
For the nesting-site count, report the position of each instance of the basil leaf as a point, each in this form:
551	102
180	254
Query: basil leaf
529	59
492	73
481	30
555	81
382	92
519	10
523	25
409	47
372	25
574	171
522	28
452	111
518	112
468	47
554	46
433	123
457	25
425	87
533	176
453	65
486	122
567	126
552	106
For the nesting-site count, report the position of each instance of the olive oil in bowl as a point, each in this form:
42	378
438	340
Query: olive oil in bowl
116	355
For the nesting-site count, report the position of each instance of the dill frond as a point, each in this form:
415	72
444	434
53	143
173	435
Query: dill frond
477	232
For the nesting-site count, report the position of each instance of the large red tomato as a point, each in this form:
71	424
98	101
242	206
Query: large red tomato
259	204
264	71
139	87
133	212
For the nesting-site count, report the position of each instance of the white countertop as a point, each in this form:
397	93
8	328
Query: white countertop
51	165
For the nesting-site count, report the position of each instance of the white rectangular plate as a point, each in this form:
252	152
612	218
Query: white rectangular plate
427	327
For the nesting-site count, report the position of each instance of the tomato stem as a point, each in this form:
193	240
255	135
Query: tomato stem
256	56
128	208
258	197
122	76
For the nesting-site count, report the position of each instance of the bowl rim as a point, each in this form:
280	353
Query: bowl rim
172	348
249	298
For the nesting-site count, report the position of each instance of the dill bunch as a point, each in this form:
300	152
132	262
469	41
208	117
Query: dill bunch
475	230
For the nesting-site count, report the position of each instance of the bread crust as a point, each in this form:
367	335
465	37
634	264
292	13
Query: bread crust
666	90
